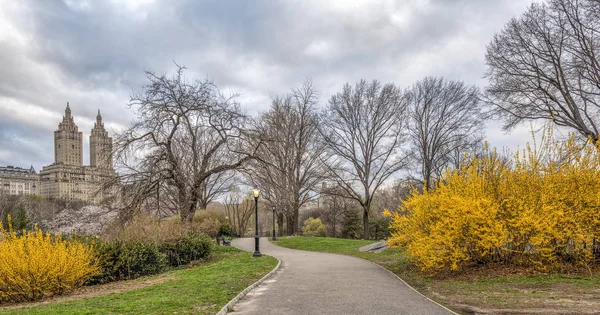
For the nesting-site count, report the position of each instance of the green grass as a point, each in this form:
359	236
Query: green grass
543	280
573	293
323	244
201	290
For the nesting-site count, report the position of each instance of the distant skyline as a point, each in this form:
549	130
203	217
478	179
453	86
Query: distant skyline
93	54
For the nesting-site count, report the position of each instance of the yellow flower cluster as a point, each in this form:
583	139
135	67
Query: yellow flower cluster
541	208
34	264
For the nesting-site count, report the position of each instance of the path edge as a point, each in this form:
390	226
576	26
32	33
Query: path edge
241	295
408	285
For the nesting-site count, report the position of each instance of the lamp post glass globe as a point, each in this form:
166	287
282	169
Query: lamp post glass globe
257	253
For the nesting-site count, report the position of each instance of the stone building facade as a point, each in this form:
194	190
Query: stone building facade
18	181
67	178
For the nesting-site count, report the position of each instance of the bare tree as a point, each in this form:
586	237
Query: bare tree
363	130
290	162
545	65
270	190
464	153
335	208
216	186
445	120
391	196
182	130
239	208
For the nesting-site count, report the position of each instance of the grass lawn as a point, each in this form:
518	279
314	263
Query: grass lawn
483	289
203	289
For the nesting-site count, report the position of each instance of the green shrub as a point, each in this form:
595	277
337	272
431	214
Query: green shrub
314	227
191	246
226	229
379	228
19	217
120	260
352	225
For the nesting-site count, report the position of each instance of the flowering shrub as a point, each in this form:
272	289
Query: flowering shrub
35	264
314	227
539	209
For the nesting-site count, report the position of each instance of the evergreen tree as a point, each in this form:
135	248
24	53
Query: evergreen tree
351	226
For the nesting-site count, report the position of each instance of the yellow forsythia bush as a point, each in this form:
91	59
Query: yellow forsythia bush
35	264
540	209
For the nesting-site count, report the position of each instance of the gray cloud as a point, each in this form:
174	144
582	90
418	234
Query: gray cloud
93	53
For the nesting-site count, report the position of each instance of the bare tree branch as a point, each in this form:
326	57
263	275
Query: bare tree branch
446	121
187	138
290	163
544	65
363	129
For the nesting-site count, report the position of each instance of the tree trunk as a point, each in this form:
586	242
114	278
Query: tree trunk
296	219
292	221
333	227
187	216
280	223
427	176
366	221
289	225
186	209
202	204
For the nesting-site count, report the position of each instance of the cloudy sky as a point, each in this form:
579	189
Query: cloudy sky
93	54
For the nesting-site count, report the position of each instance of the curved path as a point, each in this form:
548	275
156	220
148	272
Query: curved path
321	283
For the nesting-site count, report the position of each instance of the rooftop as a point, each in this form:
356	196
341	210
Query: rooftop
13	169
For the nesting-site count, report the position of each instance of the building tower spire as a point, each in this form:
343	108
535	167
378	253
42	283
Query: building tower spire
100	145
68	111
68	141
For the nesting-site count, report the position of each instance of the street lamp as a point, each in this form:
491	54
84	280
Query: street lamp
257	253
274	236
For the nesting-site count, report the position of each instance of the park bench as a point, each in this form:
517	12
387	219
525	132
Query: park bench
222	238
226	241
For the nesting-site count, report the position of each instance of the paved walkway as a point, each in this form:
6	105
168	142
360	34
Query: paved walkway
320	283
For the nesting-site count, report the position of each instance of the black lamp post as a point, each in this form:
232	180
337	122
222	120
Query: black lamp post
256	236
274	236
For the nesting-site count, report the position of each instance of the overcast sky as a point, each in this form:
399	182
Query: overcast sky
93	54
